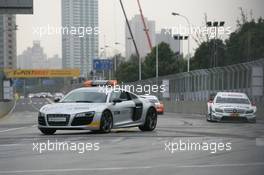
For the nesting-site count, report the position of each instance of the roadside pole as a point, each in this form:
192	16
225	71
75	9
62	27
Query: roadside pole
1	84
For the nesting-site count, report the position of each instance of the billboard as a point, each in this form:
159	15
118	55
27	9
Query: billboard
8	90
16	6
166	84
42	73
102	64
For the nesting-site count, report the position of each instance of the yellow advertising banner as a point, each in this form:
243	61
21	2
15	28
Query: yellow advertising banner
41	73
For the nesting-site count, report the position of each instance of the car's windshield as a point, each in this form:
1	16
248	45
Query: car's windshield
85	97
232	100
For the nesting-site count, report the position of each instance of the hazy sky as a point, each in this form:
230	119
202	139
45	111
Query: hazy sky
112	23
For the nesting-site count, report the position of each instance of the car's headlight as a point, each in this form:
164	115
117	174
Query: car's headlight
85	114
219	110
250	111
40	114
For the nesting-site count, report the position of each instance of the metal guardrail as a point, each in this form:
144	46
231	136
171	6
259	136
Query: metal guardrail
197	85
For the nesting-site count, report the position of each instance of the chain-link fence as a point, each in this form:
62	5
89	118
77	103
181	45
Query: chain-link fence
197	85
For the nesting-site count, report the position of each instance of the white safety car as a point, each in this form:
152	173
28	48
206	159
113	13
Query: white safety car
231	106
98	109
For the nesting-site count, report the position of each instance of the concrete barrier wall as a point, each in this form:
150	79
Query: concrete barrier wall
198	107
5	108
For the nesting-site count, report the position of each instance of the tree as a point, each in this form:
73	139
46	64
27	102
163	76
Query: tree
246	43
128	71
209	54
167	61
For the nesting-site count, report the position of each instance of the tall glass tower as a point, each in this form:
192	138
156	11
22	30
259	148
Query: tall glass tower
79	49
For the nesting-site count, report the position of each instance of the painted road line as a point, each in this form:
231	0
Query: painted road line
132	168
14	129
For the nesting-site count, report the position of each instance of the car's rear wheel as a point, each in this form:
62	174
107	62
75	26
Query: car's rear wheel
150	121
106	123
47	131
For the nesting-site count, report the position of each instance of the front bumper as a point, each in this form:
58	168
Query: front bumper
216	116
71	122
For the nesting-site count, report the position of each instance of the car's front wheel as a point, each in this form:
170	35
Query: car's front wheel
47	131
106	123
150	121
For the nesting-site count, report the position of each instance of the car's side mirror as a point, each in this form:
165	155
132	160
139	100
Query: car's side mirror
56	100
117	100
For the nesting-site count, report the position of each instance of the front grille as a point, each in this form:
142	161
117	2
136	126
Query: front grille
58	123
234	110
228	118
41	121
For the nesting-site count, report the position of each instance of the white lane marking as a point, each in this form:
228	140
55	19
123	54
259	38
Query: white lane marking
8	145
10	112
14	129
133	168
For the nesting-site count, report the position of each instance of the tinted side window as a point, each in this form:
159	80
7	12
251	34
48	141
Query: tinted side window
124	96
132	96
115	95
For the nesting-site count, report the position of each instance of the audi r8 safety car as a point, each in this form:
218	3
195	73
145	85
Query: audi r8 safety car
97	109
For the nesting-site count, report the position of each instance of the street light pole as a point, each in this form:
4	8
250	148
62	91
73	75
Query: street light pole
157	62
189	25
133	39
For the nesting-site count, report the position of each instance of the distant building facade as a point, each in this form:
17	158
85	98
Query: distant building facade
35	58
79	52
8	54
166	37
139	34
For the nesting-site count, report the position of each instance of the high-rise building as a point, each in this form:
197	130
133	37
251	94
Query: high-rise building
33	57
8	41
140	36
79	50
166	37
54	62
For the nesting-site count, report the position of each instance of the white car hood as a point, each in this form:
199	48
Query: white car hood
240	106
72	108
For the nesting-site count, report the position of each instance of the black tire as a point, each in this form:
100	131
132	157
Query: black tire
106	123
150	121
47	131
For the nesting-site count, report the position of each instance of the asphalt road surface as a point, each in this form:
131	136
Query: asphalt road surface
129	151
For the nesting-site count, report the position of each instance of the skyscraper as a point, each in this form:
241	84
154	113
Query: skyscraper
166	37
140	36
78	50
8	41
